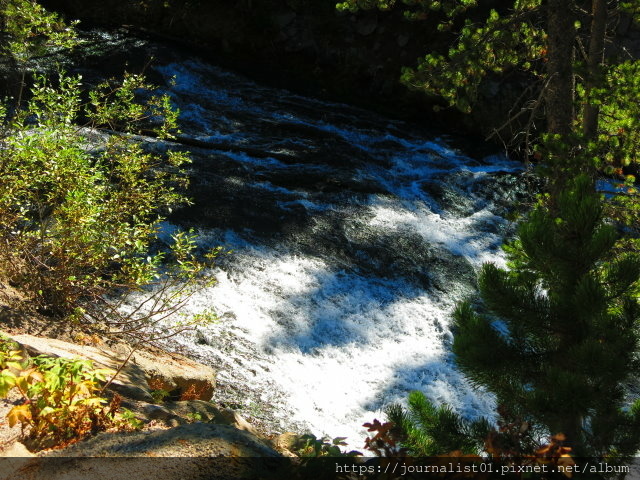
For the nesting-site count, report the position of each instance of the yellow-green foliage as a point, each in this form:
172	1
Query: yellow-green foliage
80	199
62	400
30	30
76	219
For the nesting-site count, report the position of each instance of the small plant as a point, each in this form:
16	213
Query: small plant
193	393
158	390
129	419
387	441
311	446
194	416
62	400
159	396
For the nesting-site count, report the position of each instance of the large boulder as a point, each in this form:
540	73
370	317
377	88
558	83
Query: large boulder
191	440
194	451
182	377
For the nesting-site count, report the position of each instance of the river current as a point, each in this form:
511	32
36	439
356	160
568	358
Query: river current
352	235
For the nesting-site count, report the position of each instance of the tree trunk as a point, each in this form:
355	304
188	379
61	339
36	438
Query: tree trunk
560	89
595	60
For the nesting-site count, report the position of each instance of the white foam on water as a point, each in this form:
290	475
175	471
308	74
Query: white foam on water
188	79
340	345
456	234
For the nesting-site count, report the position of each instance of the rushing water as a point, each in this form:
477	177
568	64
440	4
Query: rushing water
353	236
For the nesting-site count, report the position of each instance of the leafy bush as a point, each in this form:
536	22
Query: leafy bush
62	400
76	221
81	199
79	209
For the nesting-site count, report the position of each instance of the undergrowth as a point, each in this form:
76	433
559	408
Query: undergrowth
62	399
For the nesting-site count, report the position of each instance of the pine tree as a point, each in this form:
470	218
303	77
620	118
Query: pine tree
558	338
428	430
573	92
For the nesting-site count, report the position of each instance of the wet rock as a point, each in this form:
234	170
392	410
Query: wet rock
449	198
405	254
201	338
506	190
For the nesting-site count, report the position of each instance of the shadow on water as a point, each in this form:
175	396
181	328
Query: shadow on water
340	309
391	227
436	379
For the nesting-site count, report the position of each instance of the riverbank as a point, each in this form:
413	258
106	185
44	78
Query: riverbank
186	424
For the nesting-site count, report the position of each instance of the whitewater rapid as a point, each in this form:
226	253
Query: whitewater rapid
352	237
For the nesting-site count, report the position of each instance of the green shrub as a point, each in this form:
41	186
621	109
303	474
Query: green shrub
81	199
77	219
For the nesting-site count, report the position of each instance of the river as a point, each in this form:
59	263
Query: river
352	235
